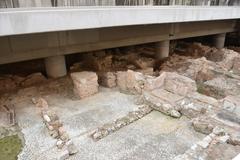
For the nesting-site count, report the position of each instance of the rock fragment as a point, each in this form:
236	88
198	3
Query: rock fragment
122	80
72	149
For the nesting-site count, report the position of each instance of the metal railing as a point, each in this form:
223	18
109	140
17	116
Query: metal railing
61	3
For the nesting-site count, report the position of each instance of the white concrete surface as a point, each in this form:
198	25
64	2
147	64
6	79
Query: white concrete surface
37	20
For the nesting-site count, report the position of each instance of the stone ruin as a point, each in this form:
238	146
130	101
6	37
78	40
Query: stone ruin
56	129
204	86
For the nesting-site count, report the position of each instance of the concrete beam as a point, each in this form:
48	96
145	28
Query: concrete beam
38	20
55	66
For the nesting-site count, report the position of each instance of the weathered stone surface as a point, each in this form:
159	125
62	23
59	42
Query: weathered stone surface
52	115
135	82
7	84
85	83
147	71
203	126
152	83
60	144
192	108
33	79
161	105
166	96
65	137
144	62
218	131
224	139
122	80
203	98
179	84
234	139
63	155
46	118
42	103
109	128
205	142
107	79
72	149
222	86
228	60
103	63
236	65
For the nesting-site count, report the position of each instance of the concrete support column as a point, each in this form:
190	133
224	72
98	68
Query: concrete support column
219	40
162	49
55	66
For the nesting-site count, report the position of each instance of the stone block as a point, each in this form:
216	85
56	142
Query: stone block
122	80
192	108
179	84
85	83
147	71
228	61
161	105
154	82
202	126
236	65
135	82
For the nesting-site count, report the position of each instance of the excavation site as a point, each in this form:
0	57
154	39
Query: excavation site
119	79
122	103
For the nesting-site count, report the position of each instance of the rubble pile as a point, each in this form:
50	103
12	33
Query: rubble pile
197	50
109	128
12	82
216	79
203	148
56	129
